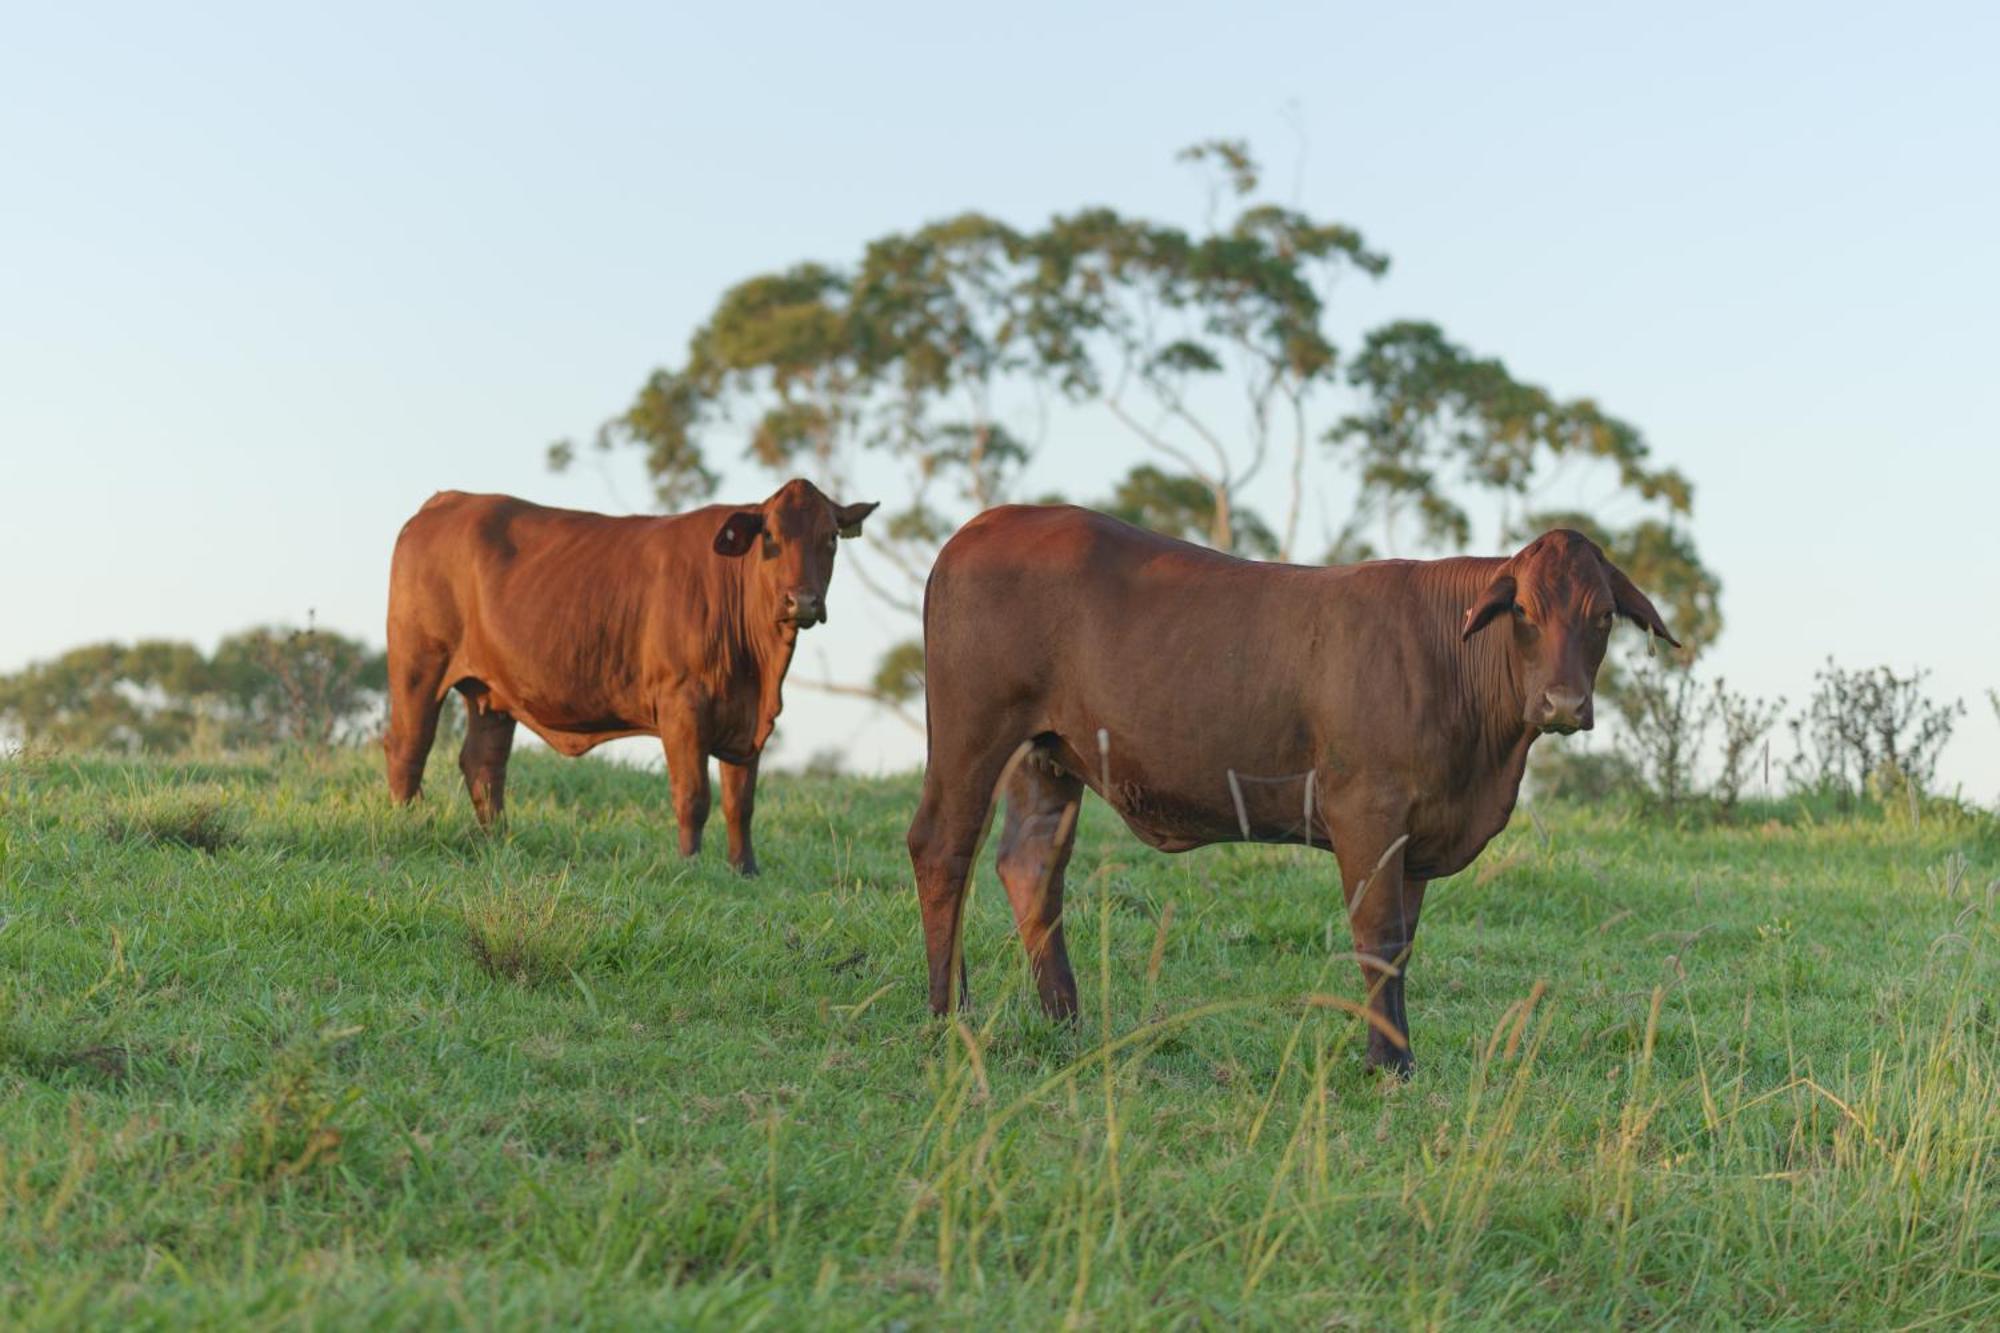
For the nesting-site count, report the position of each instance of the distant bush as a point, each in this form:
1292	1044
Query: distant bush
1583	776
1746	728
265	686
300	685
109	696
1667	718
826	762
1869	727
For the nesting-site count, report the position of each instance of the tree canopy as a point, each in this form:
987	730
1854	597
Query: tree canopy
263	686
941	350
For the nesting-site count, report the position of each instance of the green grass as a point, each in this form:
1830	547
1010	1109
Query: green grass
274	1054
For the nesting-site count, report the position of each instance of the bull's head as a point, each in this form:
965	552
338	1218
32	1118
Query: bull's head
1559	596
789	541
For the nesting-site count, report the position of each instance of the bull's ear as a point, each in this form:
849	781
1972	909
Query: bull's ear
1497	599
1634	605
738	531
848	517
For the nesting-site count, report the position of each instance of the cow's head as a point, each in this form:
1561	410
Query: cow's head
788	543
1558	597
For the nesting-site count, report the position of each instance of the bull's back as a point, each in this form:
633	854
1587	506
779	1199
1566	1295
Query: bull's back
494	555
1152	668
1042	583
557	613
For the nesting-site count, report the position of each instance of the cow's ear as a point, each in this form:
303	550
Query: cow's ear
848	517
1634	605
738	531
1498	598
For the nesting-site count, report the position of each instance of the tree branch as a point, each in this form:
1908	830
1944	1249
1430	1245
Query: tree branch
882	701
1194	469
888	598
1296	397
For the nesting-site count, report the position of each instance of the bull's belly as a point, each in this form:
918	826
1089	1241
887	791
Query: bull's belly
1170	825
1182	813
570	727
574	743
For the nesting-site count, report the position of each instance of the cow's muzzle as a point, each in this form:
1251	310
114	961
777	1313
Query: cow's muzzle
804	609
1563	711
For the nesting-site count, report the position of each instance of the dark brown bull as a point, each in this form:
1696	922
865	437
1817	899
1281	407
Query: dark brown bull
587	628
1367	708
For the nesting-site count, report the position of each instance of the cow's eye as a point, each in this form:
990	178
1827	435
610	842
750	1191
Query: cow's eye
1521	612
1604	621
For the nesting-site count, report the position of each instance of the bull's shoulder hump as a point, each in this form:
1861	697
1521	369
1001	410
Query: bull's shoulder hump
1055	530
445	503
458	516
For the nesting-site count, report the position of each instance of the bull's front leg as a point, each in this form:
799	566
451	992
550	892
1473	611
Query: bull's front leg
687	773
739	800
1382	909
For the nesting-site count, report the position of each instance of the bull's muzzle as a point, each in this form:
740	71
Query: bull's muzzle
1563	711
804	609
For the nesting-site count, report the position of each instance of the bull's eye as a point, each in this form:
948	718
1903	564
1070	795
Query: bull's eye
1604	621
1520	612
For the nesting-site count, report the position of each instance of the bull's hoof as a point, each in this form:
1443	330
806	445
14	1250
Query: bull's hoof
1392	1063
747	869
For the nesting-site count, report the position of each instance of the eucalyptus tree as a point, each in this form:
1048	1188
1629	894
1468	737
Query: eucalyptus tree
939	354
1436	426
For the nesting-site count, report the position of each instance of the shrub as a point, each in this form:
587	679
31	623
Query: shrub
264	686
1587	777
1745	723
301	686
1667	718
1869	723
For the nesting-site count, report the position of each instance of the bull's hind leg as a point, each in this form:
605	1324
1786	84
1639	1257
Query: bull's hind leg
1035	842
944	838
416	681
489	739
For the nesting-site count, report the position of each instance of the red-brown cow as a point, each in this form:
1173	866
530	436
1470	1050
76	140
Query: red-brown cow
1369	709
587	628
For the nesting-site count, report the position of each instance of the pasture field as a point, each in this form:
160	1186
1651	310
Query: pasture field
345	1065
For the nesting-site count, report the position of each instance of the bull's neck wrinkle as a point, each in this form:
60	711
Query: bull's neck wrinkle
763	645
1488	675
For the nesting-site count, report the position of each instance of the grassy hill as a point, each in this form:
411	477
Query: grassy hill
275	1054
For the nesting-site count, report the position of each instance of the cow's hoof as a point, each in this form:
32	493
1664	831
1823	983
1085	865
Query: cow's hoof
1392	1064
747	869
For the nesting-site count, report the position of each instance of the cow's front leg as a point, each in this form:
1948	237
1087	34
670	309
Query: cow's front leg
1382	909
739	799
687	772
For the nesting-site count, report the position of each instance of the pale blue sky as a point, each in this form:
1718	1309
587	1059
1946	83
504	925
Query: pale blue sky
269	275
